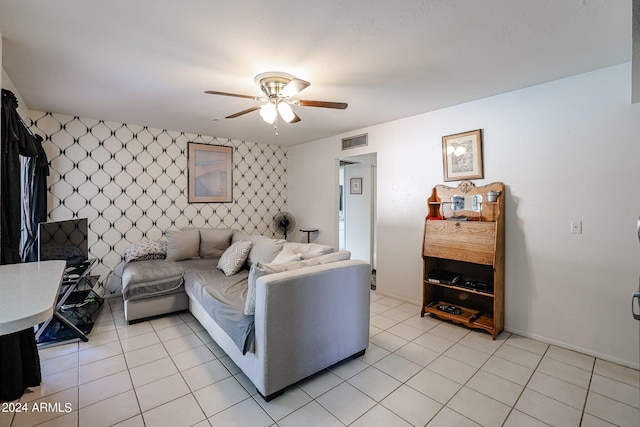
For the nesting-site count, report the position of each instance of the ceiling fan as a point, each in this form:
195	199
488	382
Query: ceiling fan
279	88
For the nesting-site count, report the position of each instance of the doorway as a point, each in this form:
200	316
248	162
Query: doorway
357	208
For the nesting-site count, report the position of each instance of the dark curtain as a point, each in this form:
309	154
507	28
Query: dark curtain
19	364
19	360
34	200
16	141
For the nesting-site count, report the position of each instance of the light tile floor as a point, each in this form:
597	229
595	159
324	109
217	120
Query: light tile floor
417	371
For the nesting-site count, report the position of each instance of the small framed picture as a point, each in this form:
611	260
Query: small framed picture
210	173
462	156
355	186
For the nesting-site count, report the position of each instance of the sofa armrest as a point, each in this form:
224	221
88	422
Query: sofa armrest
309	319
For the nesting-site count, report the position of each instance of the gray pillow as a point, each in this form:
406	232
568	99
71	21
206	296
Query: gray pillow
182	244
264	249
234	257
214	241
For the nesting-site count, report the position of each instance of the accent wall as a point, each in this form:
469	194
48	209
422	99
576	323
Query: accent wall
131	182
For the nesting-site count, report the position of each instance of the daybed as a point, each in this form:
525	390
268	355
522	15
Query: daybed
289	311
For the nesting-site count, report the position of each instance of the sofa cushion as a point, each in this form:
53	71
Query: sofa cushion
309	250
182	244
234	257
223	298
264	248
150	278
144	250
214	241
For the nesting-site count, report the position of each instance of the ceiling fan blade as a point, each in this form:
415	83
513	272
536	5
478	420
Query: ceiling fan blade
255	98
293	87
243	112
323	104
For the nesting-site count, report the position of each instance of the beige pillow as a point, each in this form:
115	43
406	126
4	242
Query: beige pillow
182	244
332	257
234	257
286	255
309	250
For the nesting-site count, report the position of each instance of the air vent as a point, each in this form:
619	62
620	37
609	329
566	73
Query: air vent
354	141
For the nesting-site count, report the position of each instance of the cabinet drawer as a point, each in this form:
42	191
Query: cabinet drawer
468	241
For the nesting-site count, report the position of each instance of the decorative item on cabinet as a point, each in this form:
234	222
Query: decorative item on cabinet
471	246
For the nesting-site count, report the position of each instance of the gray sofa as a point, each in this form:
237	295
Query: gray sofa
289	311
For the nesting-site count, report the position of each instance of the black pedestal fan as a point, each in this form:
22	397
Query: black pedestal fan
284	223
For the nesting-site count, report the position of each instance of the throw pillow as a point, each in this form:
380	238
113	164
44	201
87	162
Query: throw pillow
332	257
264	249
234	257
286	255
145	249
214	241
182	244
309	250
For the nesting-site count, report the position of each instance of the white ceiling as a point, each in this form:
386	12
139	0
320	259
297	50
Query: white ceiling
148	62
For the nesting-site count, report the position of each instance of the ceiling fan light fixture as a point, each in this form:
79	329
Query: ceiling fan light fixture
268	112
286	112
279	88
293	87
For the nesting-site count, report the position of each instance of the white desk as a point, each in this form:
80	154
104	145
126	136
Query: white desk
28	293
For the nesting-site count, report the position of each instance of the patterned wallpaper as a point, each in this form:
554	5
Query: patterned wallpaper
131	182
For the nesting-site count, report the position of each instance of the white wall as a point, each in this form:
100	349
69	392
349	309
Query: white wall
569	149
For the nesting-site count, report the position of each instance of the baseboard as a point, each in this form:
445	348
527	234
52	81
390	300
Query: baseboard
547	340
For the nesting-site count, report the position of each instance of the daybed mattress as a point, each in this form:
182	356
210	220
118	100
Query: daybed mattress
223	297
145	279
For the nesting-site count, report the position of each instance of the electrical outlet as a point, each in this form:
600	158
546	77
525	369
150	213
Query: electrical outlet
576	226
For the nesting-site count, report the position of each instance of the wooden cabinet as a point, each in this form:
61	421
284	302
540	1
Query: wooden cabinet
467	245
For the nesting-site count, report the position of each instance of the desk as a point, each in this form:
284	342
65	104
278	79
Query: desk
29	292
28	296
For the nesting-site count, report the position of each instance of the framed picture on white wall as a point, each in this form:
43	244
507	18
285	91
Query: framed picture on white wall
462	156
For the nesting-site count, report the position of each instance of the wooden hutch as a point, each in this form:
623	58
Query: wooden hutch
463	256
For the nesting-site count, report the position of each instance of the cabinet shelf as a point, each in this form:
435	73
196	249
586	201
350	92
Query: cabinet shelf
472	249
459	288
470	318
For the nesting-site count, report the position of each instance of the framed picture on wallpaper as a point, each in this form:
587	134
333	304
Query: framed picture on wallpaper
210	173
462	156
